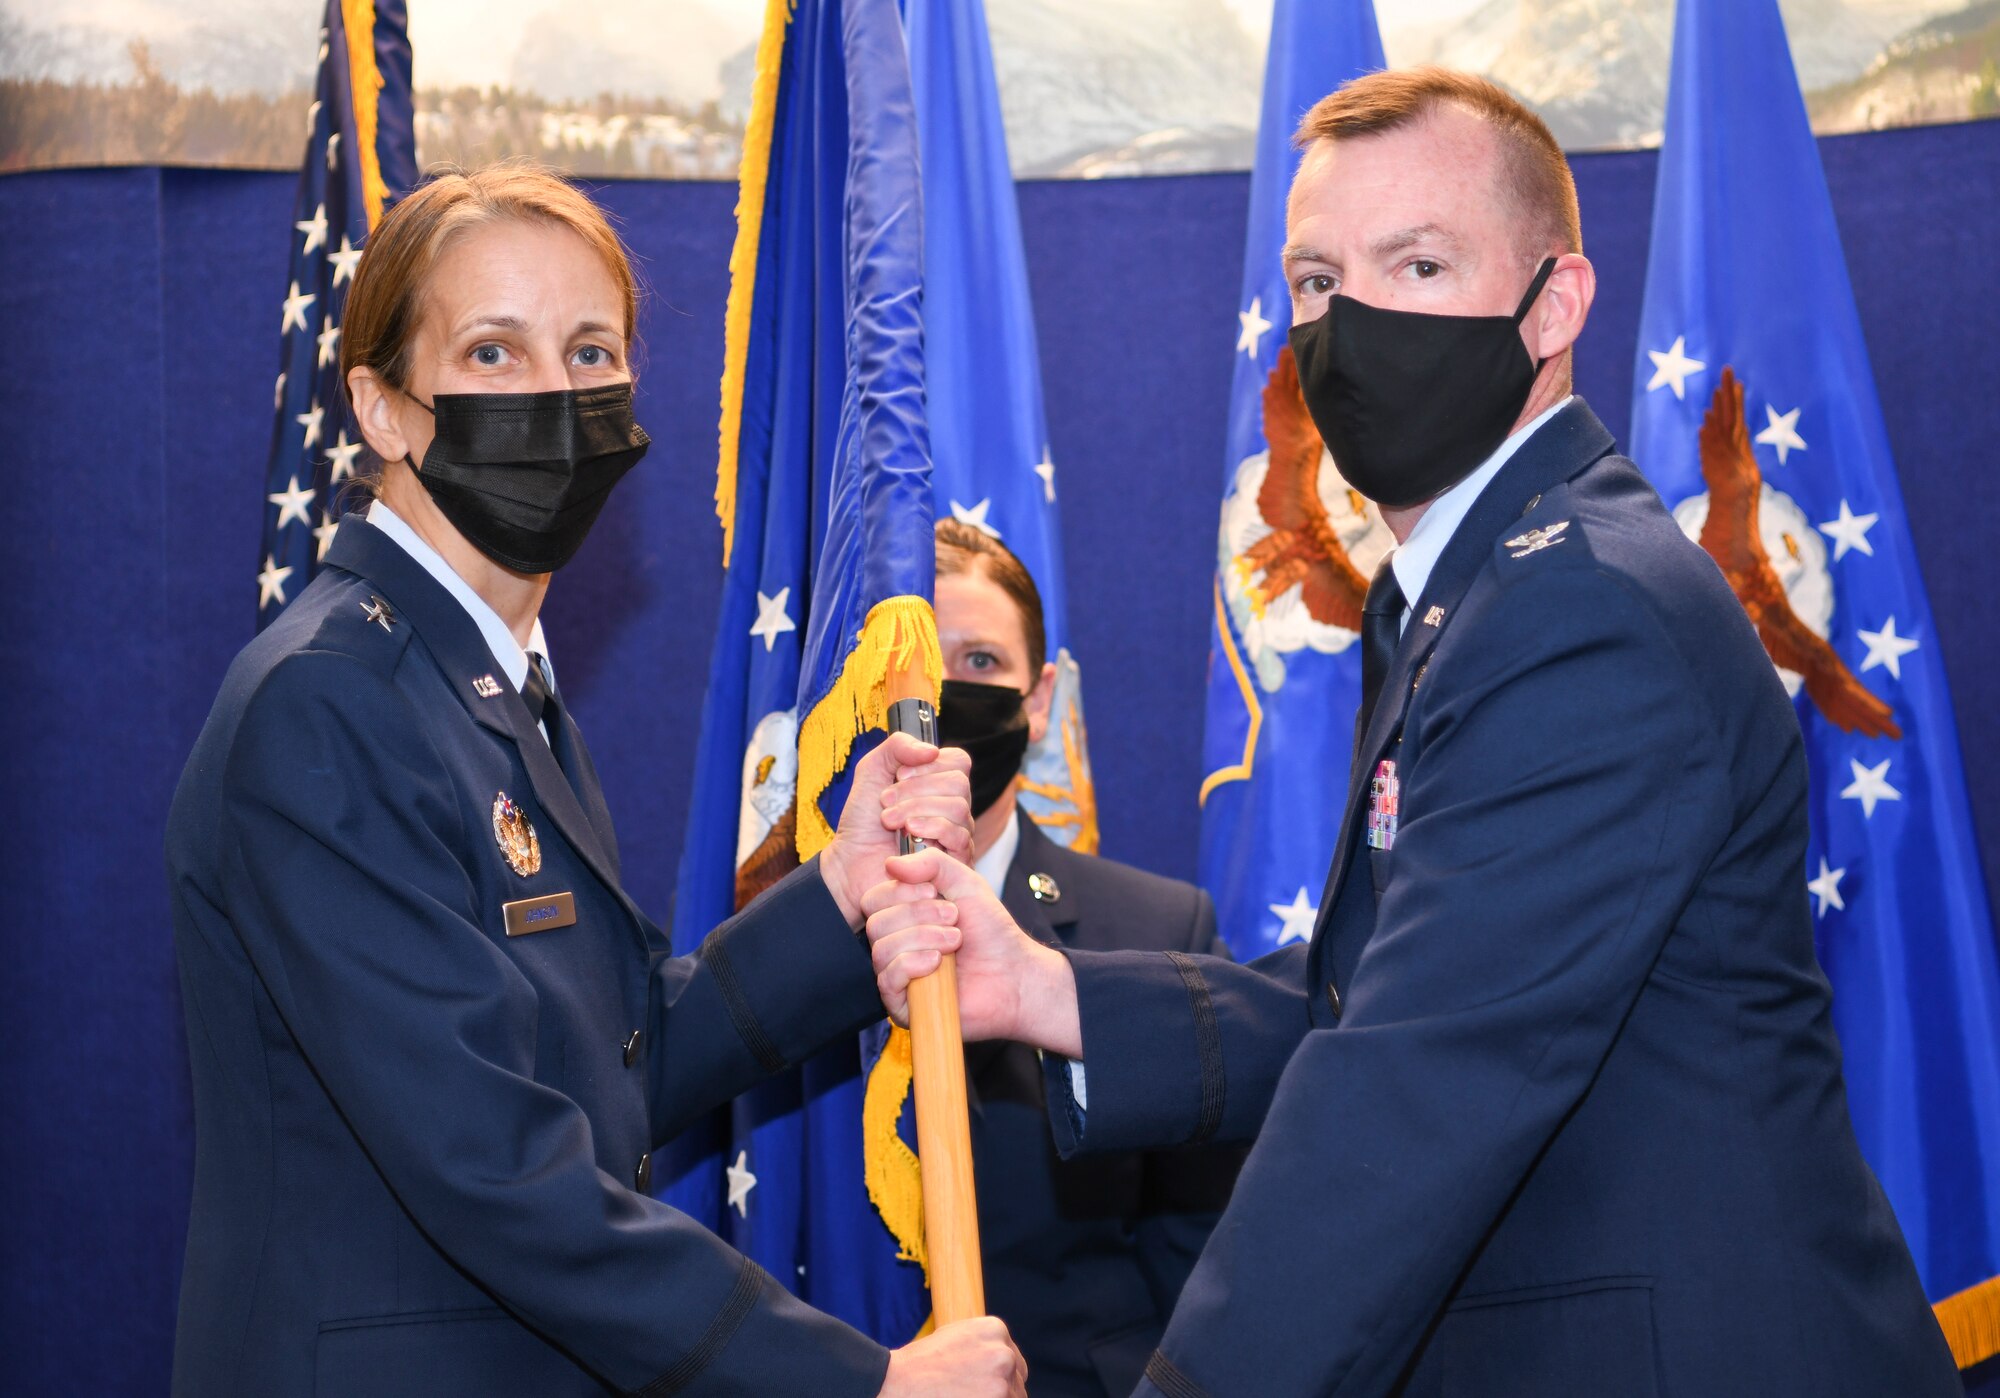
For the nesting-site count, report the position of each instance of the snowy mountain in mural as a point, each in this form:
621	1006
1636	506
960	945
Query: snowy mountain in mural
1090	88
1125	86
1596	70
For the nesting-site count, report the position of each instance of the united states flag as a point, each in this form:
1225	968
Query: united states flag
360	154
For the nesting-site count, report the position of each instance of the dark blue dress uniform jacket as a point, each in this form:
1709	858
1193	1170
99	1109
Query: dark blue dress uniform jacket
417	1138
1551	1106
1084	1258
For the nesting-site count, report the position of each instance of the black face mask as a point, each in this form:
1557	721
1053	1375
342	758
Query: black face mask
1409	404
523	475
990	721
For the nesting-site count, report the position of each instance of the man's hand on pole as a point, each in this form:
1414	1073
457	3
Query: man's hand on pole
1009	985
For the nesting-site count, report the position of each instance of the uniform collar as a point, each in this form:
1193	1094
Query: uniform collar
419	598
1417	556
1038	854
994	864
508	653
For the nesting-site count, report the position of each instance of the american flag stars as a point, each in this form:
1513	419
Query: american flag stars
344	261
313	449
296	302
293	502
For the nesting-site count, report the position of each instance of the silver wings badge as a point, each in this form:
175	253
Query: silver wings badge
1536	540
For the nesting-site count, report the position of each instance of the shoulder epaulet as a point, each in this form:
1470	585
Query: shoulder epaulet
1549	526
360	620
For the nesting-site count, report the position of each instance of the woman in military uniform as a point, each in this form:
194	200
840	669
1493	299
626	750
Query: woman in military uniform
1084	1258
433	1042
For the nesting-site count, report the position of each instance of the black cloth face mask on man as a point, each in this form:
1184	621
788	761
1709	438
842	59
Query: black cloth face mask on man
1410	403
523	475
989	721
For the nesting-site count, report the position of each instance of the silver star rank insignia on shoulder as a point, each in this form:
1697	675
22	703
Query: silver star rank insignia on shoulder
379	612
516	836
1536	540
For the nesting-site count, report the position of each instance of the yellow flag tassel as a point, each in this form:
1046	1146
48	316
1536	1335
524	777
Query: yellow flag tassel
897	631
894	1184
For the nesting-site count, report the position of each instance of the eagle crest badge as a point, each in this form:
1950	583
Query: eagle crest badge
516	836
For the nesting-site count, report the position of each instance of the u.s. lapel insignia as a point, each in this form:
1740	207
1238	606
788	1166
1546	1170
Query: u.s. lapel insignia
516	836
486	687
379	612
1434	617
1535	540
1044	888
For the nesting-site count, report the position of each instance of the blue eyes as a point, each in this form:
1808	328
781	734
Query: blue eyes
493	356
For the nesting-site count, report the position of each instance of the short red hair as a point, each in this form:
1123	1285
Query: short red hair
1536	177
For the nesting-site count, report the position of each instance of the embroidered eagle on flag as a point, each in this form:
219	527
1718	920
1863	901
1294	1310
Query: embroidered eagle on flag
1302	547
1731	536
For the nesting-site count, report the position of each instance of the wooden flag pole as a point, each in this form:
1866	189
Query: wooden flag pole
944	1128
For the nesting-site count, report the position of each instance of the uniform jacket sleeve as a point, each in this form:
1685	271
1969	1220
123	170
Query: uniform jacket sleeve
1179	1049
1185	1190
342	860
1561	813
774	984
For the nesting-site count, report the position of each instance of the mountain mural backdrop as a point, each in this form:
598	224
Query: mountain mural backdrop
1090	88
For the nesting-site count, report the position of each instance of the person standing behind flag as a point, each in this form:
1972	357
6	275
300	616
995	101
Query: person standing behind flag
1084	1259
1551	1102
433	1042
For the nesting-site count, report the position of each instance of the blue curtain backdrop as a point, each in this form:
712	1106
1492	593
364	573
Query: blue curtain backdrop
136	318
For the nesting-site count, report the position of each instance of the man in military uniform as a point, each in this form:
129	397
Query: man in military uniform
1551	1104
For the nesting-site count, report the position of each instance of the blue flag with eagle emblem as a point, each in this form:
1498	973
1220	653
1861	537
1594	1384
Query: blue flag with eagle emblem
361	153
1294	553
824	494
989	439
1755	414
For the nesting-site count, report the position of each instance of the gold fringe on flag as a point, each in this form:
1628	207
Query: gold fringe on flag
897	632
364	84
752	177
1970	1320
894	1184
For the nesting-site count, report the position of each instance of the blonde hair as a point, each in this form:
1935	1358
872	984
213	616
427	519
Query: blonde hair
385	304
1535	176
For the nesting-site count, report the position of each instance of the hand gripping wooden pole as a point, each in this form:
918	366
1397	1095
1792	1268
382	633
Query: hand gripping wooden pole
944	1132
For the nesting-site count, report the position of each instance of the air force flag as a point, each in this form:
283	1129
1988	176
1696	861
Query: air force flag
1755	414
824	494
1293	555
991	462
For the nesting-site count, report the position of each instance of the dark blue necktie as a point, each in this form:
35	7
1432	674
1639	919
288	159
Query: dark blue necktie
543	706
1381	632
